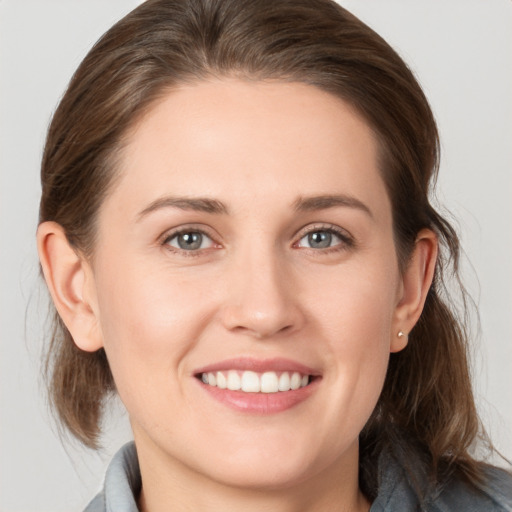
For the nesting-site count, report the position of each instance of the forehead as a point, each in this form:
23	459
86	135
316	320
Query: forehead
240	139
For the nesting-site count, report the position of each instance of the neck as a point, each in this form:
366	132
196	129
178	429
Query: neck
169	485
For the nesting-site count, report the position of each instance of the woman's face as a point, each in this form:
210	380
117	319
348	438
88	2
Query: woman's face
248	243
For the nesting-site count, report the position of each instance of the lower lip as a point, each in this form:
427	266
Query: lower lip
261	403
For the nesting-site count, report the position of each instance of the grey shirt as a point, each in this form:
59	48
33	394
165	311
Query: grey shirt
396	494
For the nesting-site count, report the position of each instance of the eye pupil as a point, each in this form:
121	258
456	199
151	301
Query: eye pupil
320	239
190	241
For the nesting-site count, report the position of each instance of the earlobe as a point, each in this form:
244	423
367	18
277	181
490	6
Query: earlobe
69	277
416	281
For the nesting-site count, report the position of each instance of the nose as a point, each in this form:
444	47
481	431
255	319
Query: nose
262	299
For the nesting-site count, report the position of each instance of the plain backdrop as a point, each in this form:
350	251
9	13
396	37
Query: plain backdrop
461	51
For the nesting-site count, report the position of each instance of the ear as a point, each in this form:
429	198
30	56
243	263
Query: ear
416	281
70	282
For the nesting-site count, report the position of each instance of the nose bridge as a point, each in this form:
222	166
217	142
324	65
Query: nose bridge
260	300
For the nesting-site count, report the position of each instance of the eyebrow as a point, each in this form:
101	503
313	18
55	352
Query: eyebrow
213	206
199	204
330	201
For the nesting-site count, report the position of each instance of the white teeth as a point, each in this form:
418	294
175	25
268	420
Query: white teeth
234	382
221	381
295	380
269	383
252	382
284	382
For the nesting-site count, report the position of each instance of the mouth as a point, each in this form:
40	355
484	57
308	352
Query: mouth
261	387
253	382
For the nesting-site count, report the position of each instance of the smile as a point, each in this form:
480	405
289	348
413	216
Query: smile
253	382
258	386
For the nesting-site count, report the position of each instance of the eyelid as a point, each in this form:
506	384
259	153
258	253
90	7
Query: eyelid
187	228
346	238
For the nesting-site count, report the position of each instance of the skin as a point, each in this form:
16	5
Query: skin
256	288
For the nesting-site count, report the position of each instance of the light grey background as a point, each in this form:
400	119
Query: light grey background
462	53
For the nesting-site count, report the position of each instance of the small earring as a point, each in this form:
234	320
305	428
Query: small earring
401	334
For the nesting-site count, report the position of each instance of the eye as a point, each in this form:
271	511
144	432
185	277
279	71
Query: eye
189	241
325	238
319	240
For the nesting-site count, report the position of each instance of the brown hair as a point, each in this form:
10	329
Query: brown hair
427	396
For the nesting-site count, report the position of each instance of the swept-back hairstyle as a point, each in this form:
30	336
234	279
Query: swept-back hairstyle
427	395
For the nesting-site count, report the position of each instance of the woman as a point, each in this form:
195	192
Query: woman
236	234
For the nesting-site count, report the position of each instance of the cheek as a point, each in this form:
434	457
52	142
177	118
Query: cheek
354	316
137	298
149	320
356	303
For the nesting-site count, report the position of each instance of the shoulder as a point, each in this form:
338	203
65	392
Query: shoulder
121	485
403	485
494	494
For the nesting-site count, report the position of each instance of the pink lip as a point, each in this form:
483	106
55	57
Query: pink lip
260	403
258	365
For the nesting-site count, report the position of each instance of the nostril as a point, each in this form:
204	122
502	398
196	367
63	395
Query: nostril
263	332
261	315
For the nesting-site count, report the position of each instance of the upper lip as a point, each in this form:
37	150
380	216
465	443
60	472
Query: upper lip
258	365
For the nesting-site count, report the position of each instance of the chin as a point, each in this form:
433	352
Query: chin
269	474
270	463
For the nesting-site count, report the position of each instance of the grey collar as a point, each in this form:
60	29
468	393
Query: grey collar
399	488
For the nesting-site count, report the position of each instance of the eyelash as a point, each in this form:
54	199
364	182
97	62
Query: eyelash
182	231
347	242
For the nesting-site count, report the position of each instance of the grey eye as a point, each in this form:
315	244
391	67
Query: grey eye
190	241
321	239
